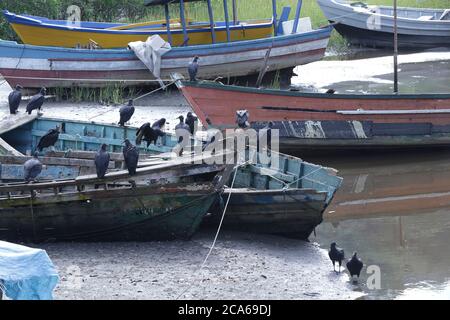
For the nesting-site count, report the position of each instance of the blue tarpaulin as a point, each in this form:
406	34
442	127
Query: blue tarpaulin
26	273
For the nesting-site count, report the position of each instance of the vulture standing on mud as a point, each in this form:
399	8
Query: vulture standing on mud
336	254
159	124
32	168
191	122
148	134
193	69
37	101
355	266
131	157
102	161
14	99
126	112
49	139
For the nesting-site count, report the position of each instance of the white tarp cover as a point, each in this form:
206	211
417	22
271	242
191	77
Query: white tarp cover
150	53
26	273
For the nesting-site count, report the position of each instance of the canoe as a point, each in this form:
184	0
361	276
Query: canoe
287	200
166	199
333	121
41	31
286	197
53	67
373	26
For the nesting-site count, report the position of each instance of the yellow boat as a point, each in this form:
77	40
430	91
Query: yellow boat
61	33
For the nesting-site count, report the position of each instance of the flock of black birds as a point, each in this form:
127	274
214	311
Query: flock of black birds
36	102
354	265
148	133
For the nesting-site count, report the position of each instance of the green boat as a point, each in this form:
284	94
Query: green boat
166	199
287	199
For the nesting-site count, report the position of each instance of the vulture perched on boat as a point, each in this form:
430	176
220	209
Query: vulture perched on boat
266	134
32	168
14	99
159	124
131	157
126	112
193	69
180	130
336	254
102	161
242	117
148	134
37	101
355	266
49	139
191	121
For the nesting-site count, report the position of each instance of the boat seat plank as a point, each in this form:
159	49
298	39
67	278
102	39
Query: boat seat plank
12	121
274	173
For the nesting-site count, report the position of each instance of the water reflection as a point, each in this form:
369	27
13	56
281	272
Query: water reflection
394	209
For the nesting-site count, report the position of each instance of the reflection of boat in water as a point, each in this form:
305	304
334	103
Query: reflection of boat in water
403	187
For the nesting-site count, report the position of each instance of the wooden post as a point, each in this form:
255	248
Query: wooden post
211	22
169	34
227	19
395	49
183	23
274	9
234	12
297	16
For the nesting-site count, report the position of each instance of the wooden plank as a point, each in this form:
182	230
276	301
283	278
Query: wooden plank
274	173
56	161
12	121
6	149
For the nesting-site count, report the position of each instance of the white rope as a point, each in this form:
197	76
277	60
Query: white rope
218	229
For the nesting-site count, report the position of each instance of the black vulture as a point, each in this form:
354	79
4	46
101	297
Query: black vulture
49	139
193	69
148	134
330	91
181	130
159	124
191	122
37	101
355	266
102	161
126	112
14	99
336	254
131	157
242	117
32	168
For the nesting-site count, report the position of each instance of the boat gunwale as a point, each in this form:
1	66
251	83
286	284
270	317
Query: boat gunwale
233	88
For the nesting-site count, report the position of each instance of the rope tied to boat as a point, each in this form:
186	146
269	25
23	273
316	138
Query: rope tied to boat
139	97
220	225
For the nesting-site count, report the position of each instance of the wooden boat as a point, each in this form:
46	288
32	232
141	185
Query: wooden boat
321	120
286	199
294	43
166	199
373	26
41	31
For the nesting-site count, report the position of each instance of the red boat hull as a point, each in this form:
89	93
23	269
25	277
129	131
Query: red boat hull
328	120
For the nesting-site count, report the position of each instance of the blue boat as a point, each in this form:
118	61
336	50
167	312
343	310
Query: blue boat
287	199
293	43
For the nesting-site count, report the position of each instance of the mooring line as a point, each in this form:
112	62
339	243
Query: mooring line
218	229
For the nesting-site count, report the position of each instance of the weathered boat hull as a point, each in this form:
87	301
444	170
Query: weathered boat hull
36	66
293	213
41	31
161	213
317	120
373	26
